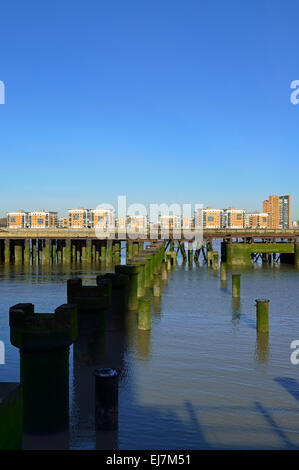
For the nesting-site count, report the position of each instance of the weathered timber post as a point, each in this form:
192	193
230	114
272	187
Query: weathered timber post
88	251
67	254
40	250
54	258
190	253
215	260
103	254
262	315
236	285
164	271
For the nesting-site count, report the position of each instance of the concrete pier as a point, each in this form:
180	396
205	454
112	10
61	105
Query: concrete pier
44	341
223	272
157	285
89	299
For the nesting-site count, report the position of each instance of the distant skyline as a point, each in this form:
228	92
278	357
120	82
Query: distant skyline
163	101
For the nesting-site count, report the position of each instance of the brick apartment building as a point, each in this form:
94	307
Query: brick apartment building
279	210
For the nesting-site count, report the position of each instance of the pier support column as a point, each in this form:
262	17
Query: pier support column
132	272
190	253
144	314
157	285
236	285
223	271
40	250
103	255
215	260
47	252
27	251
18	251
106	399
164	271
44	341
54	251
88	251
33	252
262	315
7	250
66	250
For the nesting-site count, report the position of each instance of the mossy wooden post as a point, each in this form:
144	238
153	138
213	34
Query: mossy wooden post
131	271
103	255
67	254
47	252
236	281
59	251
215	260
190	253
164	271
18	251
73	243
40	251
129	249
109	252
7	251
78	251
262	315
223	271
84	252
93	251
54	258
144	314
88	251
27	251
34	252
168	261
157	285
11	416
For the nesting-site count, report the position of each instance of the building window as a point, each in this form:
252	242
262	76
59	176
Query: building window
239	217
75	216
264	219
12	219
100	218
40	221
210	218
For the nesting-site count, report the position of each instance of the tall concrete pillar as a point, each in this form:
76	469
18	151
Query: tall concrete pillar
109	252
190	253
40	250
78	251
223	271
73	243
88	251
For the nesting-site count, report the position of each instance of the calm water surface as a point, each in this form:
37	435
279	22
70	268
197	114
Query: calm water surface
200	379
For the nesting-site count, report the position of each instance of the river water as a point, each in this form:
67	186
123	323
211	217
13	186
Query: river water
200	379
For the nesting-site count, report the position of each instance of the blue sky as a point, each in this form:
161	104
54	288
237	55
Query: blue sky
168	101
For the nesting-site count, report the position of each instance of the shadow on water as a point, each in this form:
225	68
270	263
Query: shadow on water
290	385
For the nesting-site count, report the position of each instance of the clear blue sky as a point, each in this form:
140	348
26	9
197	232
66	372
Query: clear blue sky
161	100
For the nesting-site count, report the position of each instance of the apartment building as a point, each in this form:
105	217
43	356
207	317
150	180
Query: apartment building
279	210
42	219
63	222
256	219
211	218
137	221
102	218
233	218
17	219
170	222
79	218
